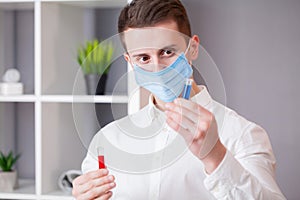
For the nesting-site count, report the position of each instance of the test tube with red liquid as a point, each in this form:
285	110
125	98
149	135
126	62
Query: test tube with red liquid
101	162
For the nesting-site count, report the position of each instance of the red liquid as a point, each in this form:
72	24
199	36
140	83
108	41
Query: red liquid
101	162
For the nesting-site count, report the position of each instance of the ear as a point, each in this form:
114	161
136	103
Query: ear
194	47
126	57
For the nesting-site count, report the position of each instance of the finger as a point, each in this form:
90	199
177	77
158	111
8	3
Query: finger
95	183
103	180
191	110
188	137
98	191
89	176
183	121
105	196
102	190
210	140
183	111
190	105
207	125
194	116
192	132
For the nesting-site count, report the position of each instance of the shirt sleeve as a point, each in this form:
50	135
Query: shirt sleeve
248	172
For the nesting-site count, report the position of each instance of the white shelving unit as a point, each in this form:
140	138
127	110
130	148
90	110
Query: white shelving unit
40	38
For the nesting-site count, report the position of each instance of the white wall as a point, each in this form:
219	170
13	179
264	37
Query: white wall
256	45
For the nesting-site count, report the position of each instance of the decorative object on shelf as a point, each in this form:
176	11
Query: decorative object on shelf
11	84
66	178
8	176
95	59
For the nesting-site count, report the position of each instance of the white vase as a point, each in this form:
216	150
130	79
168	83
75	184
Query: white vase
8	181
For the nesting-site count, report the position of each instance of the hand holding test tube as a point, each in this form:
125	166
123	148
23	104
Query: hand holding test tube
96	184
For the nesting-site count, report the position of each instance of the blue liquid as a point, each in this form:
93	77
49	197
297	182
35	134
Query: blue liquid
186	91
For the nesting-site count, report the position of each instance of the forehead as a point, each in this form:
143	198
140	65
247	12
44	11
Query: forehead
139	39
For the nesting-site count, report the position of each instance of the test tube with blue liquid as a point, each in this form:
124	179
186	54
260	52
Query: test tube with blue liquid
187	88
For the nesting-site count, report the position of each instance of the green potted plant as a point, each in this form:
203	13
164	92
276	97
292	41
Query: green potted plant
8	176
94	59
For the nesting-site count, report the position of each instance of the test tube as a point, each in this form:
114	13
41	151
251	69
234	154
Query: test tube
187	88
100	151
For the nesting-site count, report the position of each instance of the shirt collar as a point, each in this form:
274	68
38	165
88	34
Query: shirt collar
203	98
153	111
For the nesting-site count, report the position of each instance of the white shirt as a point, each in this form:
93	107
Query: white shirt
246	172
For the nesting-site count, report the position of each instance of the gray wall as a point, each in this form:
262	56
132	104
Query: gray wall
106	27
17	119
106	21
24	48
256	46
7	110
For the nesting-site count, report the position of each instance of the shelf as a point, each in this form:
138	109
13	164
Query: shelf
84	99
16	4
66	98
91	4
26	190
18	98
60	195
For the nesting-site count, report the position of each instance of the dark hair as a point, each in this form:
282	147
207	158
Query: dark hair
146	13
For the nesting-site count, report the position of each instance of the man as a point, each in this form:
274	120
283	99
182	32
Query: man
228	157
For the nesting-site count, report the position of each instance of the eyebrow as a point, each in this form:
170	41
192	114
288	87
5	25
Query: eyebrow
145	54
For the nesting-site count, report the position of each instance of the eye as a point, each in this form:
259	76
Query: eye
143	59
167	52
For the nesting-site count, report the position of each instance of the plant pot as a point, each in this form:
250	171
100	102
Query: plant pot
95	84
8	181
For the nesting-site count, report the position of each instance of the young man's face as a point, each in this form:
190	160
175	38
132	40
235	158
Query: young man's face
155	48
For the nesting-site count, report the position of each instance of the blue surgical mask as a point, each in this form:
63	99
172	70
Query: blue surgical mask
168	83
